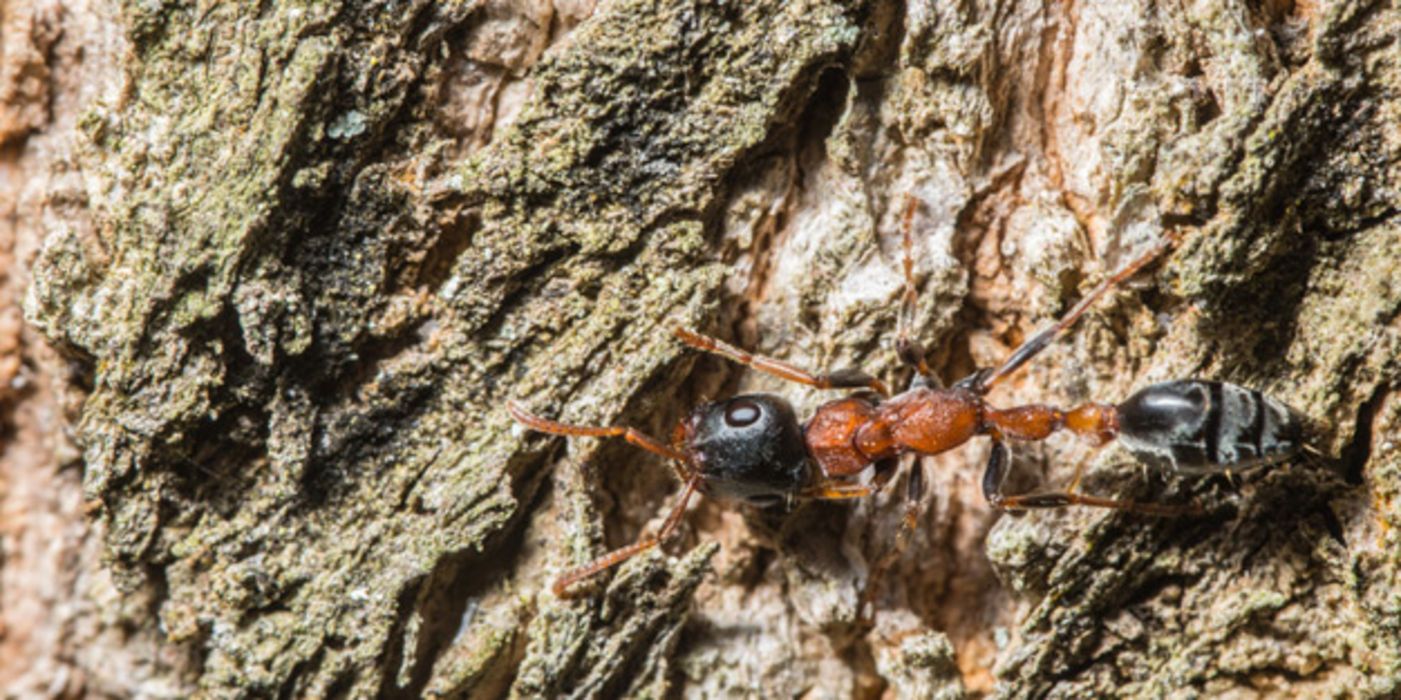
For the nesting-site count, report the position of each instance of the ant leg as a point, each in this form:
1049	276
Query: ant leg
995	473
1074	484
914	492
841	379
841	490
1060	499
996	470
618	556
836	491
538	424
1038	342
911	351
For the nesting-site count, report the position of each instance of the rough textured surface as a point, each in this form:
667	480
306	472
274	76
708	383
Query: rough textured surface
299	256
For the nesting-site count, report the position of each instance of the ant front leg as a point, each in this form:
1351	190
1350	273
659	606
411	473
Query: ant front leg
684	471
618	556
834	490
841	379
829	489
996	473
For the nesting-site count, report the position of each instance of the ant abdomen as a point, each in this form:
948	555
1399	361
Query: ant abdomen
1197	426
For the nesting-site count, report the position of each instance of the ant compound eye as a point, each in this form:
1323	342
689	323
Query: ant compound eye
742	413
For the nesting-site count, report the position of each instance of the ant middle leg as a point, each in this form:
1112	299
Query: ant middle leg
618	556
840	379
996	473
910	350
914	493
1038	342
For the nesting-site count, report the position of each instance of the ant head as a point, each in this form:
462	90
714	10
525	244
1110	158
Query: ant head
749	448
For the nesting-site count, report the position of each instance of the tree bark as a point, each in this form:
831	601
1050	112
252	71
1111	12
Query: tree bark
295	258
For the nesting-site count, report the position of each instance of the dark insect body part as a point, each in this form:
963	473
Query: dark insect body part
1194	427
748	449
752	449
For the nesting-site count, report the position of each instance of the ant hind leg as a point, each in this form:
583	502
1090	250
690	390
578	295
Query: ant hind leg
1038	342
996	472
1061	499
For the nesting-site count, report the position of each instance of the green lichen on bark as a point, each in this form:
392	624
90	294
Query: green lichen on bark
299	353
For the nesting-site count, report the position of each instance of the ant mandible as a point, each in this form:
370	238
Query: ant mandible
751	449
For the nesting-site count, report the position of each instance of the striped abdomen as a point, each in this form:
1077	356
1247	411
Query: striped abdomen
1198	426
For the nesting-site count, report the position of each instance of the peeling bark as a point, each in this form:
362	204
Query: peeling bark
296	257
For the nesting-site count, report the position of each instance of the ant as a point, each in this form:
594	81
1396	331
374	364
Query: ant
751	449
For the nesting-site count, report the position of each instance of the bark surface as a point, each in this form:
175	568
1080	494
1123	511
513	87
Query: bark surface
288	262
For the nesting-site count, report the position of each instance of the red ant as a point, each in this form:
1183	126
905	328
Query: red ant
751	449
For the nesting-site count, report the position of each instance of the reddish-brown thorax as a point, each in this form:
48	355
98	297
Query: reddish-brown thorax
847	435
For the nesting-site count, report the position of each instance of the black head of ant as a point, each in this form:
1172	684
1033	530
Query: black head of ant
748	449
